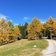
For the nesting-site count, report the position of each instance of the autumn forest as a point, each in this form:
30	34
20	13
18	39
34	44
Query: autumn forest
32	31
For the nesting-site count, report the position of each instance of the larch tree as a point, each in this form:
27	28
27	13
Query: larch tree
49	26
17	33
54	29
3	35
49	22
10	24
34	28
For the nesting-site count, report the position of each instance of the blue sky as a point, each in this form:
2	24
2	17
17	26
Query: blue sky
21	11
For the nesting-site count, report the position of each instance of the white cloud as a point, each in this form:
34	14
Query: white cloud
25	18
3	16
42	22
15	24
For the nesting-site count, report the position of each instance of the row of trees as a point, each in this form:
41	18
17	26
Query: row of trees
33	30
36	29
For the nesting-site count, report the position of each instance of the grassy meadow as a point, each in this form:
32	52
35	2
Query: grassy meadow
23	47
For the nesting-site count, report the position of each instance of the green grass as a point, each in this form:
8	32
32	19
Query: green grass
23	48
39	44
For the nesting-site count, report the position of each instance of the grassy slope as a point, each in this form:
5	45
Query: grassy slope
23	48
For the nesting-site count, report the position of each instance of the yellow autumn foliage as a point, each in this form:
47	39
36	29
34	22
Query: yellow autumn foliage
34	28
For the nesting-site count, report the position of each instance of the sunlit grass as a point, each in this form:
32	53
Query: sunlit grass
23	48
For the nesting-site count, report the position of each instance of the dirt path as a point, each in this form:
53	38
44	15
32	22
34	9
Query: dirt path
51	50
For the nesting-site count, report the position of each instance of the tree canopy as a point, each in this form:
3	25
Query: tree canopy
34	28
